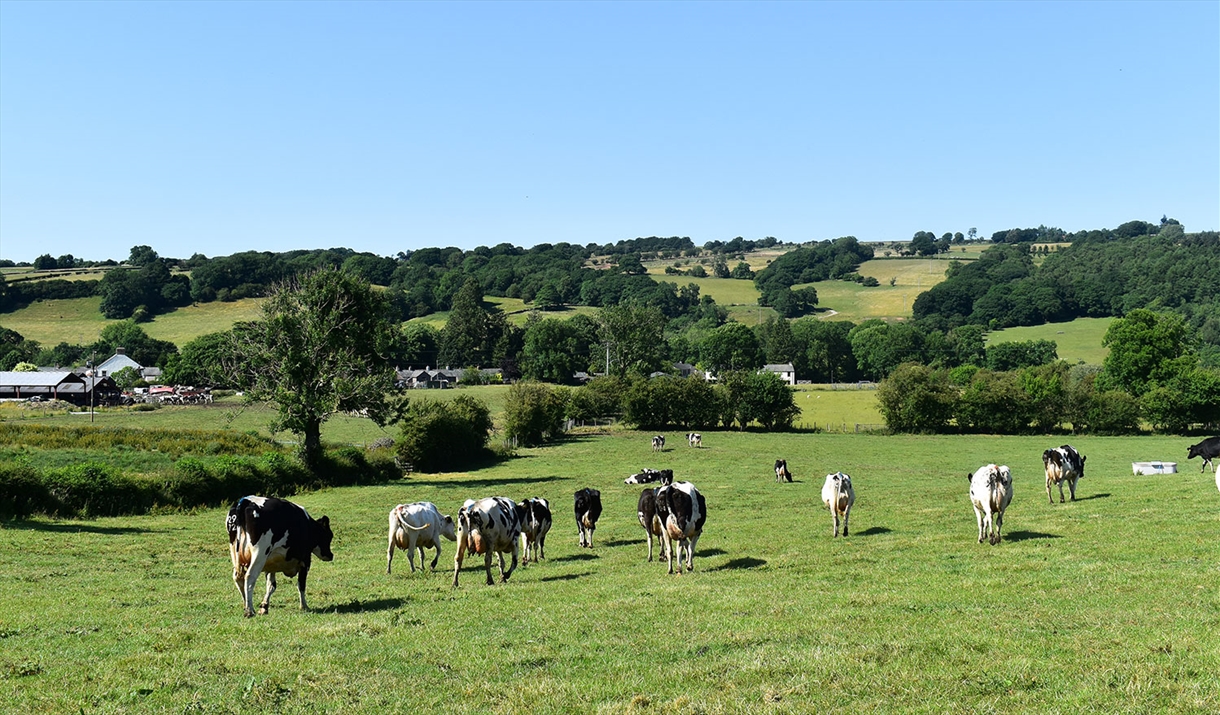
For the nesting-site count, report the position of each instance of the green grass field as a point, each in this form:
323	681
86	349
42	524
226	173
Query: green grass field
1108	605
1078	341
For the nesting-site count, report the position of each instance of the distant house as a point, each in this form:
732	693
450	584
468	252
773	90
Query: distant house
121	360
427	378
786	372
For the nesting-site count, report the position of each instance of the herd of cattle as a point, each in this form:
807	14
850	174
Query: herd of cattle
273	536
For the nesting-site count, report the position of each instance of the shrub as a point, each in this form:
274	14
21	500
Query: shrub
916	398
22	492
439	436
533	412
92	489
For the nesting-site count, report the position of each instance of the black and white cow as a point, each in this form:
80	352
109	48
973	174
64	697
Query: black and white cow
694	439
648	476
682	512
418	526
487	526
588	504
990	493
647	513
838	496
535	523
269	535
1208	449
1063	464
658	443
781	471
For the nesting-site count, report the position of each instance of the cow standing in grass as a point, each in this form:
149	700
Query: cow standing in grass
487	526
838	495
418	526
269	535
1063	464
781	471
658	443
535	523
682	512
990	493
588	508
694	439
1208	449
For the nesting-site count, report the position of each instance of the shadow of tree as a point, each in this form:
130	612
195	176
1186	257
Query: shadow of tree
358	606
623	542
1027	535
1103	495
746	562
73	528
874	531
484	483
710	552
575	557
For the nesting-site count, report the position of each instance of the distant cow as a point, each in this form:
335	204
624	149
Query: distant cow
990	493
647	513
658	443
682	512
1063	464
648	476
269	535
781	471
838	496
694	439
417	526
535	523
1208	449
486	526
588	504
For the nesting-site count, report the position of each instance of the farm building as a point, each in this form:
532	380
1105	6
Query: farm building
121	360
63	385
786	371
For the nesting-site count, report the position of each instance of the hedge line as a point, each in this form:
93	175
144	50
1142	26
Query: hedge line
174	442
92	490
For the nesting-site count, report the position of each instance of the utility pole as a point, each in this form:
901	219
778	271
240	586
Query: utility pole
92	375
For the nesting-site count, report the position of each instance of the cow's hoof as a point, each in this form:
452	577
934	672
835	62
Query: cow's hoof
249	614
262	610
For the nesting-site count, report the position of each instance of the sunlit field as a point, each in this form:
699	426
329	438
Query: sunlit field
1077	341
52	322
1110	604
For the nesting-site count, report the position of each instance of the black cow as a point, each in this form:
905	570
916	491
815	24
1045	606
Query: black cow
647	513
269	535
648	476
1063	464
1208	449
682	512
535	523
588	511
781	471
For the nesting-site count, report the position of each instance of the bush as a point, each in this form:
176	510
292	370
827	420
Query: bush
994	403
439	436
22	492
92	489
916	398
533	412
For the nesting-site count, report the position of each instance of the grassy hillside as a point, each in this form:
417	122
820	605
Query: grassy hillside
1078	341
1076	611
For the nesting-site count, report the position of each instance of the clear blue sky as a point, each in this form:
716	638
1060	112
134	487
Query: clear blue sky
223	127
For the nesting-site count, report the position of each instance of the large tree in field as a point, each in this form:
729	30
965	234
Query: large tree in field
1145	348
636	337
321	347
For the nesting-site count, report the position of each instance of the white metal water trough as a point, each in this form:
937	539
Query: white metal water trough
1154	467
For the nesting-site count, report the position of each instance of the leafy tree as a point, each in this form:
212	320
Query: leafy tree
416	346
1047	389
720	268
554	351
14	349
778	342
25	367
916	398
320	348
770	401
650	402
636	337
66	261
824	351
697	271
732	346
601	397
994	403
141	256
924	243
742	271
45	262
137	344
440	436
464	337
127	378
1145	347
201	362
880	347
534	412
1015	355
548	298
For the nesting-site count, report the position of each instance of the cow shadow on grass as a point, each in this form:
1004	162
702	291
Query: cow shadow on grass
1027	535
485	483
746	562
59	528
358	606
874	531
576	557
623	542
566	577
701	553
1103	495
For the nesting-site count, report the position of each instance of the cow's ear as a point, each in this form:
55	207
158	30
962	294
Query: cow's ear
324	521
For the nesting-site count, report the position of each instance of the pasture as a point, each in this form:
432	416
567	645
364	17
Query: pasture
1108	604
1077	341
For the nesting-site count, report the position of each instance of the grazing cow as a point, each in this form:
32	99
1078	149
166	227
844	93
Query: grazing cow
682	512
588	511
694	439
990	493
1208	449
647	513
486	526
535	523
838	496
1063	464
781	471
418	526
658	443
648	476
269	535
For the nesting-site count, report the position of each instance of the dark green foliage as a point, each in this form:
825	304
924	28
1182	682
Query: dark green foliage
917	398
879	347
18	294
824	351
14	348
600	398
994	403
93	490
1145	348
138	345
172	442
22	491
819	262
152	287
201	362
1015	355
745	397
444	436
732	346
534	413
650	403
557	349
